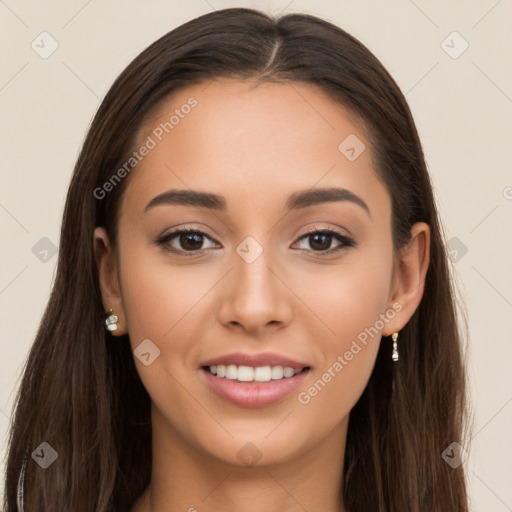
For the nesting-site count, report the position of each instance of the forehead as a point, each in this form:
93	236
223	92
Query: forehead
252	143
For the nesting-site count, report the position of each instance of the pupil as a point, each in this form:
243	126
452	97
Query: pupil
322	246
187	237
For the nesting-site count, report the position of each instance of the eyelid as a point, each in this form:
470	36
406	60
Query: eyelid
327	227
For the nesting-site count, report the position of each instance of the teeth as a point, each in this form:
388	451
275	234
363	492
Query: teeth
277	372
288	372
231	372
262	373
251	374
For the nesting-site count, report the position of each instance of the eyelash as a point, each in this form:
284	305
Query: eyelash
346	242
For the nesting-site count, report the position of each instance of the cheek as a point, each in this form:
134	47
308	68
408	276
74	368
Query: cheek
170	304
158	297
346	298
162	303
349	303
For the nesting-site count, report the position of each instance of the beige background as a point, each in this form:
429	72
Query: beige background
462	108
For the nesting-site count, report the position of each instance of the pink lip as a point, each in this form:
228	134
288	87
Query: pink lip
254	360
253	394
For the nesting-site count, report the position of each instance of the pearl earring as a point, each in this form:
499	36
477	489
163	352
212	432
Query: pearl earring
111	322
394	337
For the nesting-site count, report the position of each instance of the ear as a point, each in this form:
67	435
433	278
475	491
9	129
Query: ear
409	277
109	279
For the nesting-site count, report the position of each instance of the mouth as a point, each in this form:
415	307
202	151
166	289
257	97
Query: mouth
250	385
244	373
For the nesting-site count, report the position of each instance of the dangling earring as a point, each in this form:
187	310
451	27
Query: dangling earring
394	337
111	322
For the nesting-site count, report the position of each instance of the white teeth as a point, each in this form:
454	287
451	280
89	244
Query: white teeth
245	373
277	372
288	372
262	373
231	372
250	374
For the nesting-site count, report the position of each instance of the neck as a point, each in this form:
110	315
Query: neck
186	479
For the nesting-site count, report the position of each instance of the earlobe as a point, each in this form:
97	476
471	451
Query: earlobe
411	271
108	281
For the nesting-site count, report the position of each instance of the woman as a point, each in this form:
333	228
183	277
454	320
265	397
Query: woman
253	308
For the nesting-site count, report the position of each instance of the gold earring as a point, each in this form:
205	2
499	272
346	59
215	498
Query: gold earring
394	337
111	322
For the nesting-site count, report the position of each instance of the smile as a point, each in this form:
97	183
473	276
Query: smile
250	374
251	392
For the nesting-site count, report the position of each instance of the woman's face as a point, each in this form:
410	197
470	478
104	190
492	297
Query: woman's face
258	276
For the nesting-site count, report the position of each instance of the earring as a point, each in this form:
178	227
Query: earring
394	337
111	322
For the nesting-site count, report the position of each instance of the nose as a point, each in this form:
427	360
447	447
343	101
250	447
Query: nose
255	296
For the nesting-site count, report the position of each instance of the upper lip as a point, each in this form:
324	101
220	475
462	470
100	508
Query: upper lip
255	360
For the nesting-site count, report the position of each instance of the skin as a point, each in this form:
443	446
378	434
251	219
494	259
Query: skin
255	146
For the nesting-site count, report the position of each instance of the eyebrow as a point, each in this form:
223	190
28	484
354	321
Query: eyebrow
297	200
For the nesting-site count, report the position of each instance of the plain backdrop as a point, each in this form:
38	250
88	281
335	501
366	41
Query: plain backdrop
458	85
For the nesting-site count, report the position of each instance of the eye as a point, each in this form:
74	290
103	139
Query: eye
320	240
187	239
189	242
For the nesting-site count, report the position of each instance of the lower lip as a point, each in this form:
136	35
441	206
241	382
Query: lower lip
254	394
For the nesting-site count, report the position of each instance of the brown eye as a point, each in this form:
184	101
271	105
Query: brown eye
184	241
190	241
320	241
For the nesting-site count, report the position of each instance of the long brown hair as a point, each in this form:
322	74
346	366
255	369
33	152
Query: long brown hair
81	393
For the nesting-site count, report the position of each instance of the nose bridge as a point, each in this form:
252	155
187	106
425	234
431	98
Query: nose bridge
255	295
